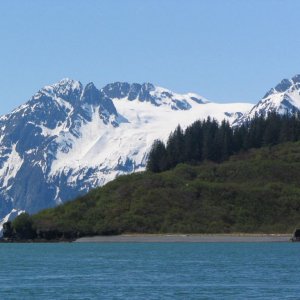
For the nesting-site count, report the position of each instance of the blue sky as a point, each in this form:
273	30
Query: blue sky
233	50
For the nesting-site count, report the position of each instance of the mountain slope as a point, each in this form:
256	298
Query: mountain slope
69	138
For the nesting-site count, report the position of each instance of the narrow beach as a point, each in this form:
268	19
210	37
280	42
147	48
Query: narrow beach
187	238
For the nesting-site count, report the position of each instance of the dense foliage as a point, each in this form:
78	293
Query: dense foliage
254	191
209	140
21	228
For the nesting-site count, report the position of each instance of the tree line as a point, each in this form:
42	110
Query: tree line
213	141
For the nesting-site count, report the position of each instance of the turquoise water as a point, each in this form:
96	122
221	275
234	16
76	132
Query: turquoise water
150	271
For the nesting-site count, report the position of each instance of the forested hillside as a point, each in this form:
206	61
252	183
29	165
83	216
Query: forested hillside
254	191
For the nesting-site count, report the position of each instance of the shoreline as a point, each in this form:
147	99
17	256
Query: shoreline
188	238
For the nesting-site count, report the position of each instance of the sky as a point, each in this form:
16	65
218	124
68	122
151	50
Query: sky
226	51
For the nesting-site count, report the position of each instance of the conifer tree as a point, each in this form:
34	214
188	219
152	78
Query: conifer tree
157	161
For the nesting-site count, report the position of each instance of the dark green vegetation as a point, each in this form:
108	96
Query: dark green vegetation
254	191
208	140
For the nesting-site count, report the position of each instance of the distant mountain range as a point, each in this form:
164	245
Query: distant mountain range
69	138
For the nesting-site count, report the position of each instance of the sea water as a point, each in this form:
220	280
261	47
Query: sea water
150	271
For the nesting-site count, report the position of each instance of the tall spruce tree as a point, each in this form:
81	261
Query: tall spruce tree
157	161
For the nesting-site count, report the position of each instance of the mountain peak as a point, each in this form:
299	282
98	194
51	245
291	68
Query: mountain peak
283	98
285	86
148	92
296	79
68	81
63	87
90	85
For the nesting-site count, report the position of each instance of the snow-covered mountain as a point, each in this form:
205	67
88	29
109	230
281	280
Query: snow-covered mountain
69	138
283	98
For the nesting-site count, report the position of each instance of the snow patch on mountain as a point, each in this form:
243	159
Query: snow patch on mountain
10	168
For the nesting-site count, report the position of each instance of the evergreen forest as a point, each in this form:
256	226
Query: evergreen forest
211	141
